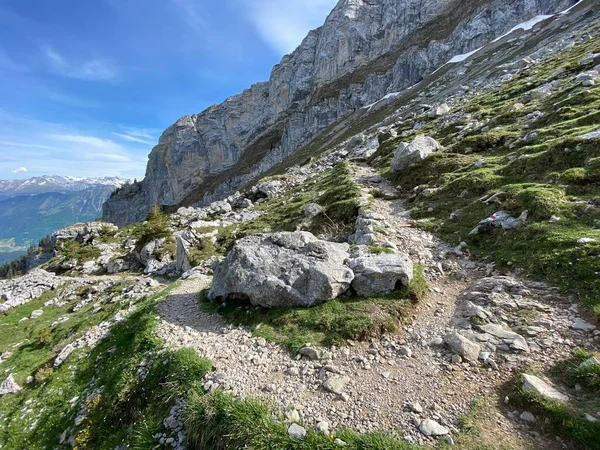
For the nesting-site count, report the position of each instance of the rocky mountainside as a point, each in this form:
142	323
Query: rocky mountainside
365	50
425	274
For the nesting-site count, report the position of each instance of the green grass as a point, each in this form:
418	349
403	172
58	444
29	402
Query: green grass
128	409
335	190
555	175
329	323
220	422
38	340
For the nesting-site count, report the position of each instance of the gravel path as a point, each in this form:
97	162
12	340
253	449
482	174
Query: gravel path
400	380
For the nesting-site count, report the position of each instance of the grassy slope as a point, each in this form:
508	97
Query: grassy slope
556	174
128	408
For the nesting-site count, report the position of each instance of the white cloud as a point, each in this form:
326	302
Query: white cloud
46	148
91	141
90	70
130	138
283	24
20	169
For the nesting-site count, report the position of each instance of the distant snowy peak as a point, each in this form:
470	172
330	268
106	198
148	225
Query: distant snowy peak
55	183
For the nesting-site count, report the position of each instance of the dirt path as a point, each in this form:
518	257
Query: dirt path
398	381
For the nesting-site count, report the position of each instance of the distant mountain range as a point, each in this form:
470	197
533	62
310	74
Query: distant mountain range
33	208
54	183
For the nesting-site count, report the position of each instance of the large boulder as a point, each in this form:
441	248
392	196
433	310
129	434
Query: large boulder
419	149
283	269
183	262
377	275
148	254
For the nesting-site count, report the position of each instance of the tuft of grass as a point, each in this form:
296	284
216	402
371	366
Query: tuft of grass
220	422
376	250
563	419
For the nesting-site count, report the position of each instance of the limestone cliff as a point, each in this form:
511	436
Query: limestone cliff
365	49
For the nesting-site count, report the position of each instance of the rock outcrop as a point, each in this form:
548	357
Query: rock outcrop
21	290
364	50
283	269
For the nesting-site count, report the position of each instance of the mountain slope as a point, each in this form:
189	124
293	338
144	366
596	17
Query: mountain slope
364	50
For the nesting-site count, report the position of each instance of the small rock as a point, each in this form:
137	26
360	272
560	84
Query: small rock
323	427
336	384
405	351
310	353
9	386
312	210
462	346
584	241
416	407
579	324
456	359
35	314
593	361
293	416
431	428
296	431
436	342
526	416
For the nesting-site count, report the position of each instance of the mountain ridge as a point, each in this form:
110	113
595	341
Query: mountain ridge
55	183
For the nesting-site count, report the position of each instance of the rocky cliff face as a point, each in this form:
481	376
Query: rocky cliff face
365	49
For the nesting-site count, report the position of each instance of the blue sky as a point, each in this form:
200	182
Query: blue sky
87	86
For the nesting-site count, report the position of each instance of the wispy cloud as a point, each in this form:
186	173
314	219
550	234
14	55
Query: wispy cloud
108	157
283	24
47	148
90	70
139	135
20	170
90	141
